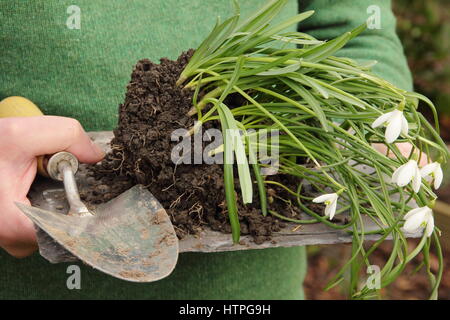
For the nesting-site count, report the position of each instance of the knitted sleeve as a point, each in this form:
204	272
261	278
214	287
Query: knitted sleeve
380	42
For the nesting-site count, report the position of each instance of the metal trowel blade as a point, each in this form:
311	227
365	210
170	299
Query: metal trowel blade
130	237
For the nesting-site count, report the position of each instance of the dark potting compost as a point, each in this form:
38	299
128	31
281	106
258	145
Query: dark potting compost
192	194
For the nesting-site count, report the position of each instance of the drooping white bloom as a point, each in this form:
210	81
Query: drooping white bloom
419	218
330	201
396	124
433	171
409	172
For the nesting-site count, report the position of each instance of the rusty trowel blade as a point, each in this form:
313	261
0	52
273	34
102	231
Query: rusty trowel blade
130	237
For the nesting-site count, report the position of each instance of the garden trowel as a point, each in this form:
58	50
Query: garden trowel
130	237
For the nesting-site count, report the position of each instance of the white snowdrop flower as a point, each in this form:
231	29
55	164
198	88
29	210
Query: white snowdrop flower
396	124
433	171
409	172
330	201
419	218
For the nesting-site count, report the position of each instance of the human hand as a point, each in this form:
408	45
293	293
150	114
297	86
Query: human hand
405	149
21	141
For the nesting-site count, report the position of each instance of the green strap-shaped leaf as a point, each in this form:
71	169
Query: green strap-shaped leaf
311	101
329	48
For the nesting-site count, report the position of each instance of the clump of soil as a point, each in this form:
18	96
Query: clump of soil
193	195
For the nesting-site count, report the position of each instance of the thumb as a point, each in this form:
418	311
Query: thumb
42	135
18	234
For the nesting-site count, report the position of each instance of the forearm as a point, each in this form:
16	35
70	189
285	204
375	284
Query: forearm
333	17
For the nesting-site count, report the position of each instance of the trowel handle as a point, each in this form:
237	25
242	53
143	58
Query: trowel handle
53	164
18	107
22	107
62	166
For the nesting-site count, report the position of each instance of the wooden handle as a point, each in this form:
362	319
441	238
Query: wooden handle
18	107
22	107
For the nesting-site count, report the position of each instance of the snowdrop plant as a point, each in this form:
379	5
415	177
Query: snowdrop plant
419	218
330	201
409	172
433	172
329	112
396	124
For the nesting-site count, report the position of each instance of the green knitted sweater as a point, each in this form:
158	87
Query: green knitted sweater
82	73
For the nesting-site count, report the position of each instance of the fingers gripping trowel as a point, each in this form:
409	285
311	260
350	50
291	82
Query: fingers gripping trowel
130	237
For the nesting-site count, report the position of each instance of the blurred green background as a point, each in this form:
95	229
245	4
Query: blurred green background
424	29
